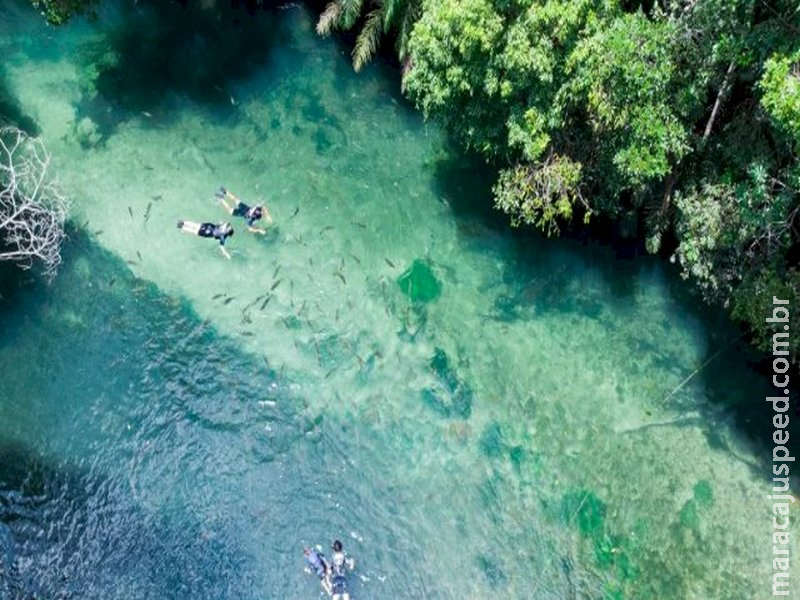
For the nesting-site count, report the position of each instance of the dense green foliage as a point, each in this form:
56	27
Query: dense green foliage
59	12
686	114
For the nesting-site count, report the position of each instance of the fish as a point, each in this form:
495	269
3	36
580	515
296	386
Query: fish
111	281
229	300
326	228
147	211
130	212
246	333
132	262
275	285
264	304
98	232
216	296
275	274
357	224
302	308
147	114
157	197
388	262
355	258
340	276
139	254
296	210
329	373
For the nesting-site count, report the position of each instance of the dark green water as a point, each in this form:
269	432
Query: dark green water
475	413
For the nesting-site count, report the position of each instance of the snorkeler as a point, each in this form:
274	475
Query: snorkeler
237	208
219	231
341	563
316	561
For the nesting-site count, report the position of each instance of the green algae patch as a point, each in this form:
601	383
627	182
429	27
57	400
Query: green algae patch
586	510
688	515
704	493
419	283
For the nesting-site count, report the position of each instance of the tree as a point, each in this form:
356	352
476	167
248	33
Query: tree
32	211
58	12
385	17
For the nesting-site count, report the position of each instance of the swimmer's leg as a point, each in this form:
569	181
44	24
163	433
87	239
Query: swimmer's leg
189	227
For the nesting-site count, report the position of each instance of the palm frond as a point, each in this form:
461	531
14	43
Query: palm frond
329	19
390	9
368	39
408	19
351	10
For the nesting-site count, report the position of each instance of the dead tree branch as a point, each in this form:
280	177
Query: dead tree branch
32	210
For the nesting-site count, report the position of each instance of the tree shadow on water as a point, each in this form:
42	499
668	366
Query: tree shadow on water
155	51
11	111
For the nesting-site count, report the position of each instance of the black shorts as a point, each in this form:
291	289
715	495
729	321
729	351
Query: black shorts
240	210
206	230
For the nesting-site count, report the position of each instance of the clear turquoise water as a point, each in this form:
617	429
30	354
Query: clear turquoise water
522	431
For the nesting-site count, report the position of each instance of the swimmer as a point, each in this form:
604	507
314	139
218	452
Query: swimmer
218	231
237	208
316	561
341	563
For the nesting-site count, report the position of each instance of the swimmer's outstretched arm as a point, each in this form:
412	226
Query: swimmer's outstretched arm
257	230
269	216
225	252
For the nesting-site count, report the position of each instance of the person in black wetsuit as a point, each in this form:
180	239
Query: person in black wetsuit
237	208
218	231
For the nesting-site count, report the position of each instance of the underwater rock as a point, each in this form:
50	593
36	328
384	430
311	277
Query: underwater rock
458	400
493	573
87	133
419	283
492	443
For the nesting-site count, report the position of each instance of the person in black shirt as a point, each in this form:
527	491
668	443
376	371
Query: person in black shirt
237	208
218	231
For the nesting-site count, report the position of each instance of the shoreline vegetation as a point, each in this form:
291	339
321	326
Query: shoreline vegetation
677	122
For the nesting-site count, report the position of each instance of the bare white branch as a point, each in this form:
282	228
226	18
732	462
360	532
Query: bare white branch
32	210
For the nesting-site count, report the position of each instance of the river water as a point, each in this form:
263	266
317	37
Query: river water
475	412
